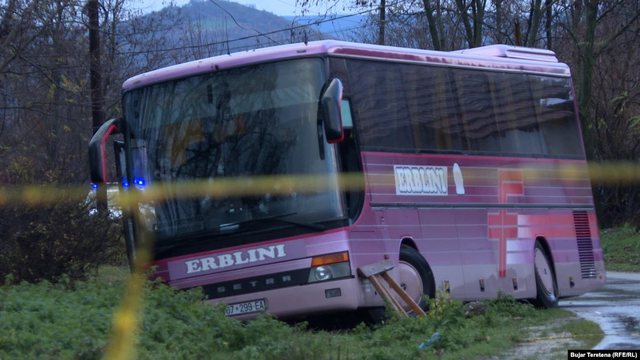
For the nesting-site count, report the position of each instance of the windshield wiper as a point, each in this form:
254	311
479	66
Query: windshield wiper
278	218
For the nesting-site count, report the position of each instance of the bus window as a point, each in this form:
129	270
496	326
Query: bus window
553	102
477	110
347	121
381	104
432	109
515	115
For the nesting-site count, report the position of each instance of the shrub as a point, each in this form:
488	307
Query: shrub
47	242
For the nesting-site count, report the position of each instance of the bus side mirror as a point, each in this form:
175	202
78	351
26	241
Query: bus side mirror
97	154
331	103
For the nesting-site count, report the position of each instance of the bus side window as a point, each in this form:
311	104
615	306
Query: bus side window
348	149
553	103
477	111
350	160
515	115
432	109
383	120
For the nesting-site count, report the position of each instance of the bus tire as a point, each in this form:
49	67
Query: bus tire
546	284
415	271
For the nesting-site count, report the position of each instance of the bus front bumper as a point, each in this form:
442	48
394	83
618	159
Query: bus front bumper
295	301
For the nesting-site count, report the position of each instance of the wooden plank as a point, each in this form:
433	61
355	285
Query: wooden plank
375	268
376	273
384	293
403	294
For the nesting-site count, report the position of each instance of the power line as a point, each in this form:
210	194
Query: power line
260	34
236	21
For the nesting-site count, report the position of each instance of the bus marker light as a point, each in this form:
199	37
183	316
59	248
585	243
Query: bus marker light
330	259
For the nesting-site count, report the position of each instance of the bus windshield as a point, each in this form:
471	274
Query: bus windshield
259	120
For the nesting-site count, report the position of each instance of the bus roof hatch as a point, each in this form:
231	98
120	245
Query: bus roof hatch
513	52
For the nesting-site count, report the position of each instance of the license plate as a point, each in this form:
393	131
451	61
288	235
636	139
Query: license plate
246	307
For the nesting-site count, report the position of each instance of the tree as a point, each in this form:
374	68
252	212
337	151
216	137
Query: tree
472	15
608	75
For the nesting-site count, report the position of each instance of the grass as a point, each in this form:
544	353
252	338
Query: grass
73	320
621	248
587	332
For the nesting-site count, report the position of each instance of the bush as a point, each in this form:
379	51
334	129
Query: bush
621	248
47	242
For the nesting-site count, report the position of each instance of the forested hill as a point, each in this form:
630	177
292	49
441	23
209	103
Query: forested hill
207	28
231	21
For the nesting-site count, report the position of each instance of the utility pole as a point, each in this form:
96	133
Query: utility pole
95	80
382	22
95	73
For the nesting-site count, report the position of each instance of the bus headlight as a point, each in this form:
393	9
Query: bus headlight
329	267
321	273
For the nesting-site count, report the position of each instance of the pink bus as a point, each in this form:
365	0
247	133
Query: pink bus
473	178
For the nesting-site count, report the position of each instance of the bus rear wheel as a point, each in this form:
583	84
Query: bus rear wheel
546	285
415	276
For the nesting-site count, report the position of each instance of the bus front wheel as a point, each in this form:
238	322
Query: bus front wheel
415	276
546	285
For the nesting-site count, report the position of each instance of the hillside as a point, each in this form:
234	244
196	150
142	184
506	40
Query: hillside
228	21
341	27
213	28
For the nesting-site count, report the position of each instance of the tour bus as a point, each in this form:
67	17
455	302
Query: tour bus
465	171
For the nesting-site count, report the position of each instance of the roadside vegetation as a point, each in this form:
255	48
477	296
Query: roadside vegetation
621	248
72	320
48	314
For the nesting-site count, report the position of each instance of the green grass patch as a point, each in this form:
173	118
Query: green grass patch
72	321
585	331
621	248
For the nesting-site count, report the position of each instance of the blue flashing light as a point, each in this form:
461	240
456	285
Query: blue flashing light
125	183
140	183
94	186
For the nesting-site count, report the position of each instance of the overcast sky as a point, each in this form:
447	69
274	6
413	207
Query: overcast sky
278	7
